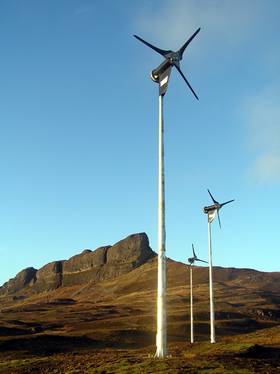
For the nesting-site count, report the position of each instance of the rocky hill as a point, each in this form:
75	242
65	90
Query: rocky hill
89	266
107	298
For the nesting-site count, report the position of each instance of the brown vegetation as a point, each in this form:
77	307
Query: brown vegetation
108	326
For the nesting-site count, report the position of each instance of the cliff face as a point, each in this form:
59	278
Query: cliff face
23	279
103	263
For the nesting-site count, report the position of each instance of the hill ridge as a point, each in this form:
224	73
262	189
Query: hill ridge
105	262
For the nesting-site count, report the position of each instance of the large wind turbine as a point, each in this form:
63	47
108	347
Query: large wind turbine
191	262
161	76
211	211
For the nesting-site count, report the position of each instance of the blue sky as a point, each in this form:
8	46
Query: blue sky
78	117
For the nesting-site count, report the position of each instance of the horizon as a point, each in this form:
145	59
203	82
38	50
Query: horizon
79	129
168	258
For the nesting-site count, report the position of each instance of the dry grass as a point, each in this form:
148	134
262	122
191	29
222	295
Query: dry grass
100	328
223	357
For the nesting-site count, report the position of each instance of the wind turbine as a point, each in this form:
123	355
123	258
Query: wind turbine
161	76
211	211
191	262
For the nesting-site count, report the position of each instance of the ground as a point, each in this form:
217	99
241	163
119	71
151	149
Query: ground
109	327
252	353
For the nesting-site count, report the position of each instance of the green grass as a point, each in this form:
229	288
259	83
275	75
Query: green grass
21	364
216	349
199	358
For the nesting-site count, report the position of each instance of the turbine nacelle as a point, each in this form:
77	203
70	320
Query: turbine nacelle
211	210
192	260
162	72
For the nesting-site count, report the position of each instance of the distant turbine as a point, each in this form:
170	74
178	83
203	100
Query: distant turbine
211	211
191	262
161	76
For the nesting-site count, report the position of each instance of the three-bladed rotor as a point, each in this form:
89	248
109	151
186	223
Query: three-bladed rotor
171	59
195	258
215	207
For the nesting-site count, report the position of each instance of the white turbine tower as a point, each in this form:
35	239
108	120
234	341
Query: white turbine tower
161	76
191	262
211	211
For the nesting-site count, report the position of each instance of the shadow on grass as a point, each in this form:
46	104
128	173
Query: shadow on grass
259	351
48	344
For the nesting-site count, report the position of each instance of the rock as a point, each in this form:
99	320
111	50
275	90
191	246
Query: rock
86	251
133	250
23	279
86	260
89	266
107	262
49	277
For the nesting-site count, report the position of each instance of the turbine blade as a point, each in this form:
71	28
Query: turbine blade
227	202
214	201
158	50
194	255
185	79
198	259
184	46
219	218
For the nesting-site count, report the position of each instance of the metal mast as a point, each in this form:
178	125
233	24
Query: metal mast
211	291
191	262
161	76
161	341
191	303
211	212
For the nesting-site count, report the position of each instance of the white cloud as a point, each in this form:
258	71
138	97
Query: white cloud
173	21
263	119
268	167
226	26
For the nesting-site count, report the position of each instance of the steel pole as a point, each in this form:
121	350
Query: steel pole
161	295
191	302
212	312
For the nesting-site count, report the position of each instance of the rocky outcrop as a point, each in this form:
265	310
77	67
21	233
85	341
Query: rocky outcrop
49	277
107	262
86	260
23	279
89	266
84	267
133	250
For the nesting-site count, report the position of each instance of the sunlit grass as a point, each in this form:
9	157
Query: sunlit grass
219	358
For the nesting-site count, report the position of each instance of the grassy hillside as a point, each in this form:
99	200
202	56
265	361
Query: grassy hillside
70	327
